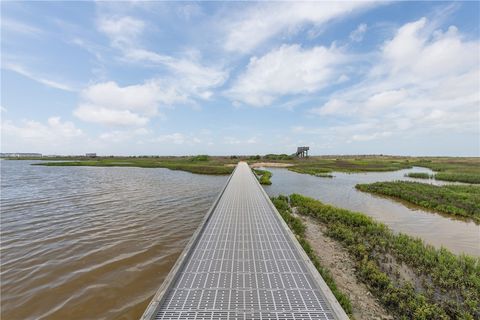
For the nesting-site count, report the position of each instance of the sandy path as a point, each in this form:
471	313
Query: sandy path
333	256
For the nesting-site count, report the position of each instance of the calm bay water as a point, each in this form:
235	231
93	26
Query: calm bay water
96	243
93	243
456	235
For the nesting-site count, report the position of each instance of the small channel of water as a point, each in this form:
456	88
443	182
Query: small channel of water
456	235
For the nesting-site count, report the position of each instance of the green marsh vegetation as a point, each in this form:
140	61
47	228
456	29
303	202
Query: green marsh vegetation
323	166
201	164
419	175
459	200
449	169
282	156
263	176
459	169
318	172
410	278
298	228
458	177
453	169
200	157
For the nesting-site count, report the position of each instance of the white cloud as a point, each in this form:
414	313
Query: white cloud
66	129
26	73
332	106
288	69
111	117
189	10
418	53
184	80
176	138
358	34
424	81
141	98
262	22
385	99
121	31
372	136
121	136
298	129
92	48
189	76
109	104
34	135
19	27
234	141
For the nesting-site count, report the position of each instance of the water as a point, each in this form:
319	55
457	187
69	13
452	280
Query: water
93	243
96	243
456	235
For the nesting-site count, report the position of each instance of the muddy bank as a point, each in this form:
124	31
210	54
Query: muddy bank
334	257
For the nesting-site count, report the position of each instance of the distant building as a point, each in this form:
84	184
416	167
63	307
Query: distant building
90	155
19	155
302	152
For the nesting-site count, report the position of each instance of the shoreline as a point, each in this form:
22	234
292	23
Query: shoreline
404	274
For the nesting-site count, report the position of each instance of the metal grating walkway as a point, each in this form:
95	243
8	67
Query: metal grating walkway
244	263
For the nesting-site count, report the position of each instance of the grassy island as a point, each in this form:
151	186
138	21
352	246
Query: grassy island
323	166
263	176
457	200
458	169
197	164
419	175
453	169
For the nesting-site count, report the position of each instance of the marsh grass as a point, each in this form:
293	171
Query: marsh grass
446	286
419	175
263	176
473	178
453	169
449	169
458	200
198	164
323	167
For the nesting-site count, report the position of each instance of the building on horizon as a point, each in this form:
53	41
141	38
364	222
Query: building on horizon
19	154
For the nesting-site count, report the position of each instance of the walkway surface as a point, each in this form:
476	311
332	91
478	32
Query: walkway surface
244	263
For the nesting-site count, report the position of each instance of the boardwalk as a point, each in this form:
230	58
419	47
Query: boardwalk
243	263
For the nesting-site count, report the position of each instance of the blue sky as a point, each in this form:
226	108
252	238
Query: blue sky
130	78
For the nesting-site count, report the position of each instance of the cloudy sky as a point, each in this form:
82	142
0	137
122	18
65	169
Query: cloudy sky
240	77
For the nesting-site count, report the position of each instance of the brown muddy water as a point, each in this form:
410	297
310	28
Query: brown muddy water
96	243
458	236
93	243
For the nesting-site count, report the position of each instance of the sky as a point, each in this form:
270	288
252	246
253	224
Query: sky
224	78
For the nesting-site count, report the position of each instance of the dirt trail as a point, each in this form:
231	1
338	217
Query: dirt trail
333	256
